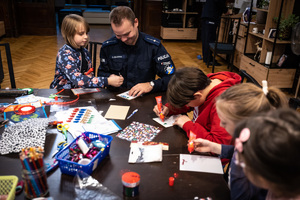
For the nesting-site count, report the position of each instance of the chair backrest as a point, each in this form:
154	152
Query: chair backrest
247	78
93	49
9	64
227	30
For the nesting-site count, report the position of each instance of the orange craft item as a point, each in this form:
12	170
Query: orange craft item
159	106
191	142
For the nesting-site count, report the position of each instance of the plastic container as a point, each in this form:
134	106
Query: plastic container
131	183
35	183
8	186
68	167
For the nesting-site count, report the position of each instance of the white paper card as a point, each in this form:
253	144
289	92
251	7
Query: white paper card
168	122
145	154
125	95
197	163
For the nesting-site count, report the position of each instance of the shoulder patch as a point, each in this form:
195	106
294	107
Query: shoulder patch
110	42
152	40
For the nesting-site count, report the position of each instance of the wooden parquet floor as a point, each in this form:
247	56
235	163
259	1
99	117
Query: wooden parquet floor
34	57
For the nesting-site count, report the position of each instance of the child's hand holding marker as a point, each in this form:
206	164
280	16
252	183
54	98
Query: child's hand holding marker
159	109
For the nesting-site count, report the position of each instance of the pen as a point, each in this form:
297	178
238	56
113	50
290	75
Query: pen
135	111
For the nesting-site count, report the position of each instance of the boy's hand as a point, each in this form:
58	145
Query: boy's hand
181	120
165	110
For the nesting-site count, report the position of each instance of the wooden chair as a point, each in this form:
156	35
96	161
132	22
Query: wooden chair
9	64
226	38
93	48
247	78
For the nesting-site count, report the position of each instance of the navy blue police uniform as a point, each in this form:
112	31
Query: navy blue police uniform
138	63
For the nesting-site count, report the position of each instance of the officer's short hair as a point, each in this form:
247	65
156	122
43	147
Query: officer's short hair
119	13
184	84
69	27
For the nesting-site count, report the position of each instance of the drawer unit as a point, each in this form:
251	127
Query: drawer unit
237	59
281	78
256	70
277	77
2	28
178	33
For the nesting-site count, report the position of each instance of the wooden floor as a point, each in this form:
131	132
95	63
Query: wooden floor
34	56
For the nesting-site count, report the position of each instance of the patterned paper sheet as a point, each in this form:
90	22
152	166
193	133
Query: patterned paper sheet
140	132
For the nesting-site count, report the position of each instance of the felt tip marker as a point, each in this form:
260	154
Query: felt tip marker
135	111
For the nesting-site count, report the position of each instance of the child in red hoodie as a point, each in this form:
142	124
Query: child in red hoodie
190	89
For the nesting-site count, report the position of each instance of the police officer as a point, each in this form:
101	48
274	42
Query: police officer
136	56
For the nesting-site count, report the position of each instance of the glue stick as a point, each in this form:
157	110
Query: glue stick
159	106
191	142
83	146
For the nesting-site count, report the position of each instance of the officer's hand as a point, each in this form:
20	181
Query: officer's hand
181	120
115	80
165	110
140	89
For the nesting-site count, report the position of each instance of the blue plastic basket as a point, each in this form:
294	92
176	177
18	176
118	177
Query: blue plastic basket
68	167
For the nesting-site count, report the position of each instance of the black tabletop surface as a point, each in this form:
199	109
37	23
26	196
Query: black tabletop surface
154	176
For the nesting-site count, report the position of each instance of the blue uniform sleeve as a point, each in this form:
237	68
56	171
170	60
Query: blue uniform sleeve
103	69
69	65
241	188
164	67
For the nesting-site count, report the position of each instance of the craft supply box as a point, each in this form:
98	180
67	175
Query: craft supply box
8	186
71	168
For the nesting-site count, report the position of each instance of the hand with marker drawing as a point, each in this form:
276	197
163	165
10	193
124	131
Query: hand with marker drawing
165	110
115	80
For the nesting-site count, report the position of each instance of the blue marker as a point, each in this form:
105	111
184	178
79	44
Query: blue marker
135	111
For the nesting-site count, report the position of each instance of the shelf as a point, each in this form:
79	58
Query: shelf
174	12
257	35
260	9
181	13
278	41
191	13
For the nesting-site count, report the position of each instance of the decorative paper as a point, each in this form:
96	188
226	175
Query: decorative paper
140	132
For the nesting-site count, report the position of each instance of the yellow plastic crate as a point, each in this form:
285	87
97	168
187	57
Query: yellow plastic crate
8	186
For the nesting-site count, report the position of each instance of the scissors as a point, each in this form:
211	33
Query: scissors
60	146
63	128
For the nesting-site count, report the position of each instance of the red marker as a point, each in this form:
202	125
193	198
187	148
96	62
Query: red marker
89	71
159	106
191	147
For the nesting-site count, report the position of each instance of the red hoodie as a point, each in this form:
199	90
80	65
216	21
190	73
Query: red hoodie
207	125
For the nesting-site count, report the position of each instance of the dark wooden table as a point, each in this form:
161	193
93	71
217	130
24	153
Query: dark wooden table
154	176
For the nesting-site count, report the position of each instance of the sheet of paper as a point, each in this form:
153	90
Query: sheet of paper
168	122
81	115
145	154
125	95
104	128
117	112
197	163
